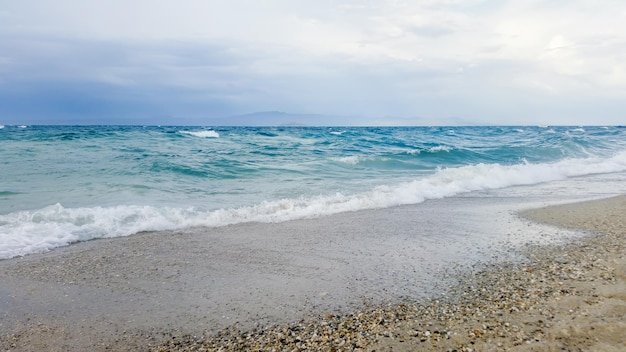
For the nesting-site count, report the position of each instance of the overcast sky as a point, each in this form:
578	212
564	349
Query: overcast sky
389	62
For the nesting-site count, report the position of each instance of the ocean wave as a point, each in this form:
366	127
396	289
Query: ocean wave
203	134
40	230
392	156
440	148
350	160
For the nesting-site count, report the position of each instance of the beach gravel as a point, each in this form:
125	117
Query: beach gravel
562	297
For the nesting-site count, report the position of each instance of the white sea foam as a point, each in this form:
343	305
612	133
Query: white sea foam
337	133
1	127
203	134
351	160
412	151
40	230
440	148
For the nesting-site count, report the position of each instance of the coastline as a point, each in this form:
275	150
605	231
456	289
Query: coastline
563	297
550	301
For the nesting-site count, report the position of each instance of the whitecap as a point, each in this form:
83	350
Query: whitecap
412	151
203	134
440	148
352	160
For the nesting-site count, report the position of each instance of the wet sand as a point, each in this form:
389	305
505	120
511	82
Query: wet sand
562	298
178	291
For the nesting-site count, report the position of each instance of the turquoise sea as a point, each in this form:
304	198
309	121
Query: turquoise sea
65	184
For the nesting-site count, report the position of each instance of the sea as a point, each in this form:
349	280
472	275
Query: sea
60	185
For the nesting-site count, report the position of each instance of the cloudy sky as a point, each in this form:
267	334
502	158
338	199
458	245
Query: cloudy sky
383	61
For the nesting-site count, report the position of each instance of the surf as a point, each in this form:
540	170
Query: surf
35	231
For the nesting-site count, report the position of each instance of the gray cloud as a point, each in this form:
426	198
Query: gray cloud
510	62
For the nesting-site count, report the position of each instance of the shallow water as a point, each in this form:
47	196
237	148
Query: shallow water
203	279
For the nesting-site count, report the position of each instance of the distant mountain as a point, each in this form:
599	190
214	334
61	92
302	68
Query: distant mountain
280	118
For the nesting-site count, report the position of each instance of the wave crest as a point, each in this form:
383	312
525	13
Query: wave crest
203	134
54	226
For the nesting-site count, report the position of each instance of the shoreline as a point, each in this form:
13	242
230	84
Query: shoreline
517	306
563	297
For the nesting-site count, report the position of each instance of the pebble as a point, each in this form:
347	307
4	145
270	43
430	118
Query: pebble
471	311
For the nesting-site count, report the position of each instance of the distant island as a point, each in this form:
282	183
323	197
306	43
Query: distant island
280	118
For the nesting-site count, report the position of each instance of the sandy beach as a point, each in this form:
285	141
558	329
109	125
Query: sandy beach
326	287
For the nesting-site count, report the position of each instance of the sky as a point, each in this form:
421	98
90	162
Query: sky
362	62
